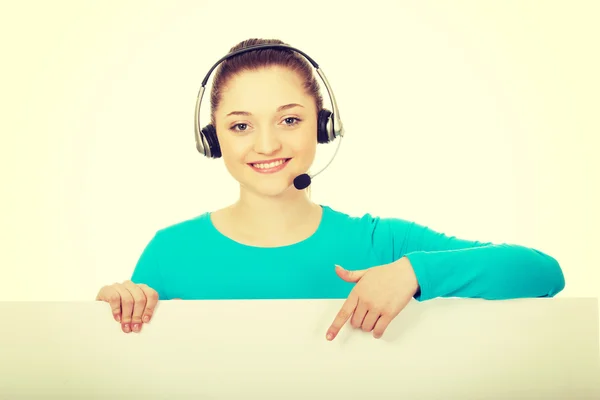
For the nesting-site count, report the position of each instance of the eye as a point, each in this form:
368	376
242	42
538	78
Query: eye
242	127
291	121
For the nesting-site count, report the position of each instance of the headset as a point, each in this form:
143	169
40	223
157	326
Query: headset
329	124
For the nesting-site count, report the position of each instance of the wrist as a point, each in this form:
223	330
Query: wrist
409	275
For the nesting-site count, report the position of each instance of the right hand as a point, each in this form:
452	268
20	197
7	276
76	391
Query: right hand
131	304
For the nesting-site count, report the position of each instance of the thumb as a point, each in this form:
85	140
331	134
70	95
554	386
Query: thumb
350	276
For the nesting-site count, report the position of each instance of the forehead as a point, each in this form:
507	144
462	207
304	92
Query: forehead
265	87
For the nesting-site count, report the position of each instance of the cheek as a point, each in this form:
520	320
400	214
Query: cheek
231	153
230	147
311	150
308	146
307	141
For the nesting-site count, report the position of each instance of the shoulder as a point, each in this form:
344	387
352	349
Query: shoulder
366	234
184	230
368	223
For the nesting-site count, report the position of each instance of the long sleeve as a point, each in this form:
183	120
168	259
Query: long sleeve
147	269
447	266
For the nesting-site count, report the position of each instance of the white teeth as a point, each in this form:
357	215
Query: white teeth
269	165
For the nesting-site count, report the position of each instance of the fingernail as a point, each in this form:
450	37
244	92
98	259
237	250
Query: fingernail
118	318
126	327
136	327
146	318
329	336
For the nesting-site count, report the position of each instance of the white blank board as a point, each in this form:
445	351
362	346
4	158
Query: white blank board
439	349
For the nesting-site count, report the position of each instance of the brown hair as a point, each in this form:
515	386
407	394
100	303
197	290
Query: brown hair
262	58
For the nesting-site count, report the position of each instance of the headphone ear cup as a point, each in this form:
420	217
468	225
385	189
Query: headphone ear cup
210	133
325	127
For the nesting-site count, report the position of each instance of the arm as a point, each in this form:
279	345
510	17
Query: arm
446	266
147	269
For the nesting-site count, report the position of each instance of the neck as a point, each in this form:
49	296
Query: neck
274	214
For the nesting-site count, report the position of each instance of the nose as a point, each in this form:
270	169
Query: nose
266	141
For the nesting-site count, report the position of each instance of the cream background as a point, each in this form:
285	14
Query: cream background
477	118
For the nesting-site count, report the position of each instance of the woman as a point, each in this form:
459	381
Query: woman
275	243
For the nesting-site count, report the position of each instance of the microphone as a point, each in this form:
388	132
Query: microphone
304	180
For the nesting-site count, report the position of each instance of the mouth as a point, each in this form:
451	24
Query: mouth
270	166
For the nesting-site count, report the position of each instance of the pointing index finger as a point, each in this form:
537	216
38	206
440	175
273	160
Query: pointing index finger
342	316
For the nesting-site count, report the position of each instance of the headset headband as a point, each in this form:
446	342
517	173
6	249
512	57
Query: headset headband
201	143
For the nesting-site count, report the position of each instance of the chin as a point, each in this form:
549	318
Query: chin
269	186
274	189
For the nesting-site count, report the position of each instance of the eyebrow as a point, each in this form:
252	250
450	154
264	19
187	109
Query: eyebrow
280	108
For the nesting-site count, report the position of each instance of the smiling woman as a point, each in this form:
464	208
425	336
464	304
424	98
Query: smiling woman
269	130
270	165
267	118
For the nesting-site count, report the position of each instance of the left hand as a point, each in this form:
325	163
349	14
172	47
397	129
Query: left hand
377	298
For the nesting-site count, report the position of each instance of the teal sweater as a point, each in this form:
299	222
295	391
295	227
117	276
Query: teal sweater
192	260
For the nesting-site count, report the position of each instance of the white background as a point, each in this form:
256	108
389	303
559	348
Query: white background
478	119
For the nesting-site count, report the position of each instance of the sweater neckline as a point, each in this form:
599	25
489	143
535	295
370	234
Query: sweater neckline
316	235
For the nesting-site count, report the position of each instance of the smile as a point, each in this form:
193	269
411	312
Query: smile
268	167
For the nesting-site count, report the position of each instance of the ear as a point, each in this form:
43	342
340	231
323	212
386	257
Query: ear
323	120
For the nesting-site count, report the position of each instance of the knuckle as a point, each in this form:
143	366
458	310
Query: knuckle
140	299
152	295
371	304
390	311
343	314
127	302
114	298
